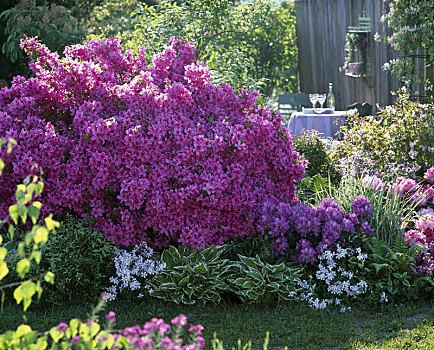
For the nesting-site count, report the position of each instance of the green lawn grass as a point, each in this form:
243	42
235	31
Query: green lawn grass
294	326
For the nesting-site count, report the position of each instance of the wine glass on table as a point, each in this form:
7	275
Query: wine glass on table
313	99
321	99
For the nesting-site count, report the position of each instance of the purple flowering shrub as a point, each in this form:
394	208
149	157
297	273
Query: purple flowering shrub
304	232
156	154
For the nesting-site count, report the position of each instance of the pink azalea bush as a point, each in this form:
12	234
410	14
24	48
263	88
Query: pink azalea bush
154	153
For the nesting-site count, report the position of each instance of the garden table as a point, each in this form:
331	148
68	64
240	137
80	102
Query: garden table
328	125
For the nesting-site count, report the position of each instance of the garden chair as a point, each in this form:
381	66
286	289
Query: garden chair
364	109
292	102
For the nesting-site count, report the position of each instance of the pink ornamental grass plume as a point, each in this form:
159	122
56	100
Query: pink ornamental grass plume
153	153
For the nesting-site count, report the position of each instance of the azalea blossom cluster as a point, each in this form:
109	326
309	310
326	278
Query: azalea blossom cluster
421	194
155	153
309	230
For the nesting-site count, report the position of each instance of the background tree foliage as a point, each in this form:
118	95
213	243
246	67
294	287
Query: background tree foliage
56	22
247	44
412	25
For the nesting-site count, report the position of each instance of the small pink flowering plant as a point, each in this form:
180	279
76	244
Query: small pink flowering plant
155	334
156	154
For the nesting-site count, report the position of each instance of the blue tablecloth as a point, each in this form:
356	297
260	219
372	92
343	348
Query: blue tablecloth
328	125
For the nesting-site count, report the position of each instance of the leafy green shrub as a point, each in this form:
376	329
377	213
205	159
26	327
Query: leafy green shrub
253	39
387	272
28	248
391	143
80	258
53	24
314	150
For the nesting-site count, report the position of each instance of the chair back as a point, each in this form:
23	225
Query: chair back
292	102
364	109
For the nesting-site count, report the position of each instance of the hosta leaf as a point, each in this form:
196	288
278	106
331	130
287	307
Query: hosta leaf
222	285
213	296
240	281
175	276
188	291
168	286
277	276
168	258
250	262
183	281
176	297
253	295
248	285
159	294
194	286
188	301
200	268
255	275
274	286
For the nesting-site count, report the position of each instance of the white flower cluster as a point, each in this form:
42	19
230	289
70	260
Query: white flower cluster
337	280
129	267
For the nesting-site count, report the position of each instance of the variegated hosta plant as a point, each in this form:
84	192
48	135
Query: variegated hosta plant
202	276
256	281
192	276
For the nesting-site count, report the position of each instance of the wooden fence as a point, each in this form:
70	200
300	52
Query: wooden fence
321	28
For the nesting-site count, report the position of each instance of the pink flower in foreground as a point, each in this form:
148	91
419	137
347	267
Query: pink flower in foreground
425	222
61	327
180	320
75	339
429	175
413	237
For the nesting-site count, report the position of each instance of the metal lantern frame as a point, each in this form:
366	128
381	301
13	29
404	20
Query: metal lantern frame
359	60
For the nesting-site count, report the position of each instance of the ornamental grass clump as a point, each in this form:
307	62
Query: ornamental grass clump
156	154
